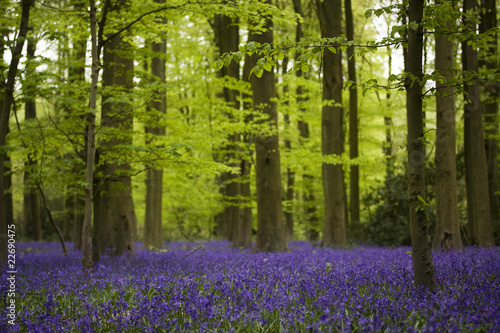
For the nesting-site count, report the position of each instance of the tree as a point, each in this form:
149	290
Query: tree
226	32
353	119
154	177
423	268
476	169
447	232
74	204
32	215
271	234
87	260
115	220
491	92
332	131
6	213
310	212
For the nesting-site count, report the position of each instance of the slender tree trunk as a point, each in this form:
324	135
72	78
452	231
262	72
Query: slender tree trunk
423	268
90	143
447	232
388	145
32	215
353	119
312	222
154	177
74	196
116	215
271	234
332	131
476	168
490	104
6	204
244	238
290	175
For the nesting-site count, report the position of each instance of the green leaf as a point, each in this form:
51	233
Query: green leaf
268	67
259	72
218	64
304	67
368	13
332	49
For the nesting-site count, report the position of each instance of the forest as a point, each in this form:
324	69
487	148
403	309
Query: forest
249	165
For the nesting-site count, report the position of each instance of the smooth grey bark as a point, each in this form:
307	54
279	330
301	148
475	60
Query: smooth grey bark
423	268
271	235
447	230
332	130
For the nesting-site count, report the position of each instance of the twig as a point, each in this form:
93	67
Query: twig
193	250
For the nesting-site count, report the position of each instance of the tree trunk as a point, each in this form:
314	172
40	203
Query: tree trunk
154	177
423	268
116	216
476	169
271	235
332	131
74	196
311	218
490	105
244	238
447	232
229	226
87	260
388	145
290	175
6	208
353	119
32	214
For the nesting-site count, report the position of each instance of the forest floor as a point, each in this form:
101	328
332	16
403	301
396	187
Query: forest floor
215	288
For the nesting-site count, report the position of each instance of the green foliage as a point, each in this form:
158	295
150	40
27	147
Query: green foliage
388	222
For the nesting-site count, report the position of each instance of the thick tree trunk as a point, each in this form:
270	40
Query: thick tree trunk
6	205
353	119
447	231
154	177
332	130
271	235
116	218
423	267
491	95
227	38
476	169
